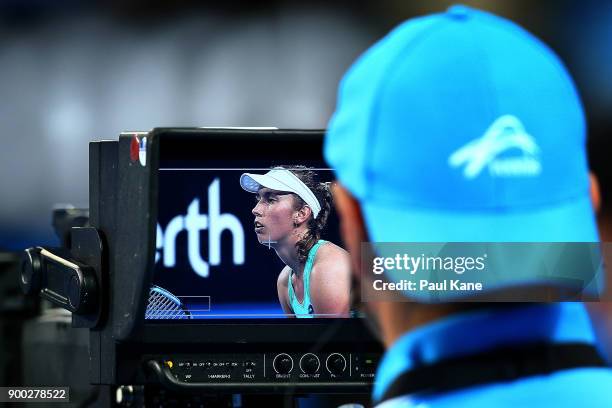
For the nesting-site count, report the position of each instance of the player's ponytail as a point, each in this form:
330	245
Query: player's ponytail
315	225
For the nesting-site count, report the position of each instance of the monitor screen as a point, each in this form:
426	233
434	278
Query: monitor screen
248	232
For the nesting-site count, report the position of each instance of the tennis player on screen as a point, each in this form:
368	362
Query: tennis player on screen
290	213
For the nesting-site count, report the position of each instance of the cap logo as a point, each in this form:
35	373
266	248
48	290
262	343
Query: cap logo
506	149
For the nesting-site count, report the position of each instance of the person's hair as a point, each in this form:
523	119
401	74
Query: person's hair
315	225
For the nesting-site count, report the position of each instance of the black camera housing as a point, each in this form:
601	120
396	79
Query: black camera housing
126	349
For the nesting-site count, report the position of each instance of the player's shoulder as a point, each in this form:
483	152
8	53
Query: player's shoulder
330	257
329	249
283	276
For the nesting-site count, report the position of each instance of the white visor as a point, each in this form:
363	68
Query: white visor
281	179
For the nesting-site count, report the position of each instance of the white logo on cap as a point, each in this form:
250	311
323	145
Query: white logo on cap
506	133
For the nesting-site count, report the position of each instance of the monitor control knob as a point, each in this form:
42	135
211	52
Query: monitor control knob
283	363
309	363
335	363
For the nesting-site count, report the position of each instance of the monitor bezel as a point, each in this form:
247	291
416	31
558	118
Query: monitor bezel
184	144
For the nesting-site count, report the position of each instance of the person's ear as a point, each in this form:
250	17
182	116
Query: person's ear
302	215
352	225
595	192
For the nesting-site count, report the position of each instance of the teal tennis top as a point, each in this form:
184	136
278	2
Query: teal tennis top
305	308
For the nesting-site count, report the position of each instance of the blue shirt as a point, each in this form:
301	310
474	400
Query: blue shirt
479	331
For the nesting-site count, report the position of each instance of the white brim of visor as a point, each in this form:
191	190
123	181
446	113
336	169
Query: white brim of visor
281	180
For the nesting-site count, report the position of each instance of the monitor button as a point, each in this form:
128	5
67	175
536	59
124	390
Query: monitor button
335	363
283	363
309	363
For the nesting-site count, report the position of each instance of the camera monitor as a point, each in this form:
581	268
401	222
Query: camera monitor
245	281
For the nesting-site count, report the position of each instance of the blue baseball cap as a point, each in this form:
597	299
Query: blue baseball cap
462	126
